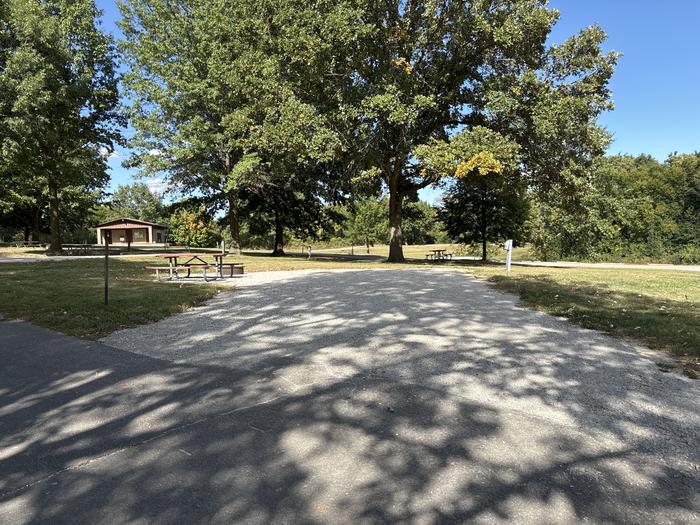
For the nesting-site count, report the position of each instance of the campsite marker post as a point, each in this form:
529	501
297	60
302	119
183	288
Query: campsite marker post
508	246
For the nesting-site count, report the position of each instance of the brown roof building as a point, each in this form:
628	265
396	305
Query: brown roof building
128	231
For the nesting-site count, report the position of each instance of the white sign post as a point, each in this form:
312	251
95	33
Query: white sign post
508	246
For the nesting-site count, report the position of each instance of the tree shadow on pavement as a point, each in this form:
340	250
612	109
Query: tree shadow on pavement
660	323
346	397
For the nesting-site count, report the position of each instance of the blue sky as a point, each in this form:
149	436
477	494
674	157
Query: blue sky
656	86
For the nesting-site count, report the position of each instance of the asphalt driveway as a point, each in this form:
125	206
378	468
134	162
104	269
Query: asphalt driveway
413	396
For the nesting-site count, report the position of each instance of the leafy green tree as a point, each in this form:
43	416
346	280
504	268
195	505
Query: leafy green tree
421	224
484	209
211	106
558	232
367	222
23	209
294	202
139	202
58	100
193	227
486	202
633	207
689	221
414	72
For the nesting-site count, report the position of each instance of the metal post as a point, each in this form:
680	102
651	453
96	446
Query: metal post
509	254
106	270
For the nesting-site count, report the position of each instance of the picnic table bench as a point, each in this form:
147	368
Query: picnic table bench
28	244
77	249
87	249
174	271
233	267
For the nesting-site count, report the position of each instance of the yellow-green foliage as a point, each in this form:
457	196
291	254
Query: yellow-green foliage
482	163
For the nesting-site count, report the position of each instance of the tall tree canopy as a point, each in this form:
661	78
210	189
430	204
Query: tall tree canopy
418	71
58	103
210	105
276	95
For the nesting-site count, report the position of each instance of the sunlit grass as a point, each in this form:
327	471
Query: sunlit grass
69	296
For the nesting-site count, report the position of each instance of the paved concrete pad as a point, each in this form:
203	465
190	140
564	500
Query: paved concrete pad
346	397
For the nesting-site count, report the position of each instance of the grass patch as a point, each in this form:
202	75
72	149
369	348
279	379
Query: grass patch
68	295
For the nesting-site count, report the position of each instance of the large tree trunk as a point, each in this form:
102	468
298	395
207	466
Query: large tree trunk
54	220
234	222
279	235
395	234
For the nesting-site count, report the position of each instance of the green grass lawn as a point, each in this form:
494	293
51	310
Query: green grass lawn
658	308
68	296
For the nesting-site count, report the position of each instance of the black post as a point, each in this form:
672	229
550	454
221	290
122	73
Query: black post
106	270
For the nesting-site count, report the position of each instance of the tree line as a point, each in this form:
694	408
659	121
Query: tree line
286	109
363	222
635	208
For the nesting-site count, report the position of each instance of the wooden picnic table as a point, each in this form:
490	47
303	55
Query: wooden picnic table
194	259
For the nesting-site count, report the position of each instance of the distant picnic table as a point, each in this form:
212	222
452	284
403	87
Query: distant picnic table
438	255
87	249
196	261
28	244
77	249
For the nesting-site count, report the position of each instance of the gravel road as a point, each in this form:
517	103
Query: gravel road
428	396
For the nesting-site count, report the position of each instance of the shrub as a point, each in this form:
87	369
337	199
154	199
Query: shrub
194	228
688	254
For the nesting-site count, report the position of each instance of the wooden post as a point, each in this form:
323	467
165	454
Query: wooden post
106	270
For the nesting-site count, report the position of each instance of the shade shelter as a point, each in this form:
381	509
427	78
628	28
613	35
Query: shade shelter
127	231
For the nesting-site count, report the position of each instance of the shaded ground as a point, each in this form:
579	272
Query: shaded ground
347	397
